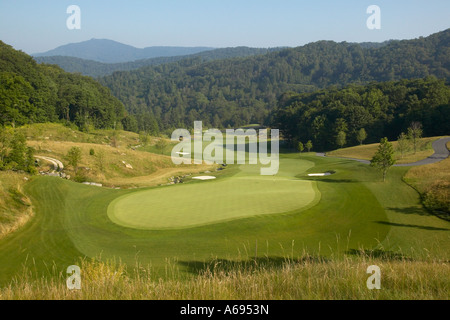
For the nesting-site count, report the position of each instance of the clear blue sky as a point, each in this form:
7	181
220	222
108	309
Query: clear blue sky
40	25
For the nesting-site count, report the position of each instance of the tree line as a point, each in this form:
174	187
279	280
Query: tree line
33	93
234	92
97	69
334	118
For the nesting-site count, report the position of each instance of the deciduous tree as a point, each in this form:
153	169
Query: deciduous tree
361	136
415	134
384	157
74	156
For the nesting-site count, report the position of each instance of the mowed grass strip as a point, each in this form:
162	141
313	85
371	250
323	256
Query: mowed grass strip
245	195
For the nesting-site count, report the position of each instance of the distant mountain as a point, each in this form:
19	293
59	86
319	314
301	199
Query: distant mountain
234	92
109	51
99	69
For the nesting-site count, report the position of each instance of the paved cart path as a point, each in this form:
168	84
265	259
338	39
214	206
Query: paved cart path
440	153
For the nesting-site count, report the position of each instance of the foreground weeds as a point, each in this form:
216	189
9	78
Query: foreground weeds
265	278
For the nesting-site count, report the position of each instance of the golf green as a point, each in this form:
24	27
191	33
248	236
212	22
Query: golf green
244	195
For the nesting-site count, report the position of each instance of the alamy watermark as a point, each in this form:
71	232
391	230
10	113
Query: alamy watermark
374	281
73	22
73	282
374	21
234	139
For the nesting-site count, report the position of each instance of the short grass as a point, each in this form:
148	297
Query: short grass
356	210
366	152
245	195
15	207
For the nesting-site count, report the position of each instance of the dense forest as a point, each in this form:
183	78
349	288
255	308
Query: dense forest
98	69
234	92
31	93
238	86
382	109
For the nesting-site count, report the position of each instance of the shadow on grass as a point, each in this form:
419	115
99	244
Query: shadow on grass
378	254
322	179
411	226
260	263
412	210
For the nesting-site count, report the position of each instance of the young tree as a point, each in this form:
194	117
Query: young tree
100	160
18	149
144	138
415	133
161	144
384	157
114	140
74	157
300	147
361	135
309	145
5	144
29	161
341	139
402	144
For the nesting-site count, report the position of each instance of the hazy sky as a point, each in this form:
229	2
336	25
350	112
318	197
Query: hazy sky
40	25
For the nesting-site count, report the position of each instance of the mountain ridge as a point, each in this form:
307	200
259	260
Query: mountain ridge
235	92
110	51
99	69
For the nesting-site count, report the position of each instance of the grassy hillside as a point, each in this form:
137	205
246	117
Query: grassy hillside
304	278
433	183
366	152
15	207
113	158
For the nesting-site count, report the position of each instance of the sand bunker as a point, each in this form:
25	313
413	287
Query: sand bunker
204	178
319	174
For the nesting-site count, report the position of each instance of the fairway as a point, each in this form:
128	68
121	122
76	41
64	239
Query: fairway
245	195
283	214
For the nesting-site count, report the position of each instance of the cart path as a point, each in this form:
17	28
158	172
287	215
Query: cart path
440	153
57	165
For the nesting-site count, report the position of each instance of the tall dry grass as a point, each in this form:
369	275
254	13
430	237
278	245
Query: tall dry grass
433	183
304	278
15	207
366	152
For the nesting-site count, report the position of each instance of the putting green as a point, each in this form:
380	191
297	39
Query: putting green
244	195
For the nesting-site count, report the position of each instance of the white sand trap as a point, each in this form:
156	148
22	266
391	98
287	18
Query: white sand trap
204	178
319	174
